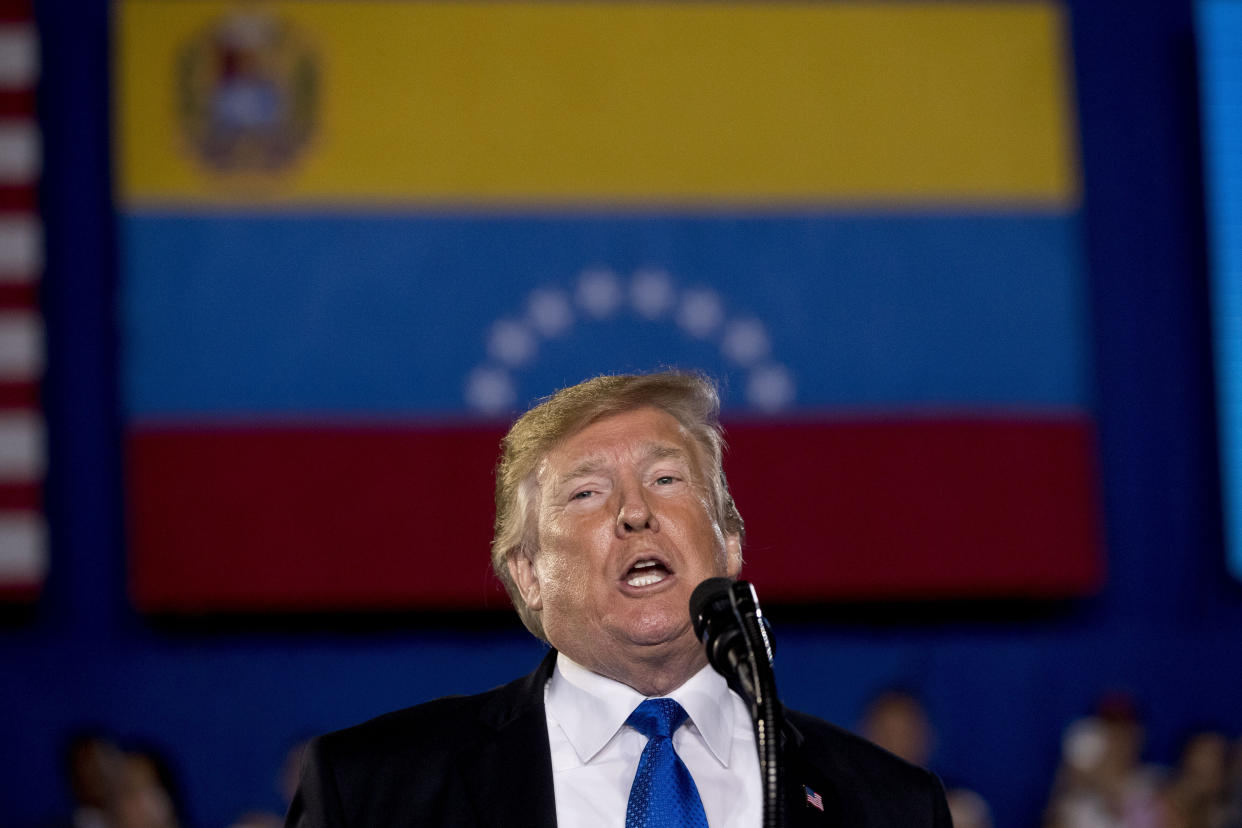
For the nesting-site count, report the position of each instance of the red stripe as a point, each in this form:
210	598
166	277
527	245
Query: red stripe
309	519
21	497
304	518
18	198
16	11
16	103
19	592
19	296
980	508
19	395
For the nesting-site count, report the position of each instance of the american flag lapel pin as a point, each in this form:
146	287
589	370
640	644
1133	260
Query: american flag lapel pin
813	798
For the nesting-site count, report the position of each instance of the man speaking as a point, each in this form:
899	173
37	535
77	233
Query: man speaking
611	507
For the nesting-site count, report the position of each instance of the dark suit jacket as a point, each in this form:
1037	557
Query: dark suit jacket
484	761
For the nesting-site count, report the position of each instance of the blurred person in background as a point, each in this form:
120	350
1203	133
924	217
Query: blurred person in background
896	720
1100	782
115	788
147	792
969	809
93	767
1233	798
1198	795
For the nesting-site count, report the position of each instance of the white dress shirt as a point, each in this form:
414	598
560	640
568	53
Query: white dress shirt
595	755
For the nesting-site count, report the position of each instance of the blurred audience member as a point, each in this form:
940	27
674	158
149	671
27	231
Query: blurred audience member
118	789
93	766
1198	796
968	809
896	720
1101	783
1233	807
147	794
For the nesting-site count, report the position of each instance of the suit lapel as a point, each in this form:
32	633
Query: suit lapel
806	789
804	794
509	776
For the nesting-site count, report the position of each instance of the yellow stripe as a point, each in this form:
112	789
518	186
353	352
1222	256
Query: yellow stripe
630	103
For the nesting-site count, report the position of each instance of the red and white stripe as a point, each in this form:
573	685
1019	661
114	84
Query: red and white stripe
23	531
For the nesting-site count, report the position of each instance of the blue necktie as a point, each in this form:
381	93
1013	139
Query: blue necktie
663	794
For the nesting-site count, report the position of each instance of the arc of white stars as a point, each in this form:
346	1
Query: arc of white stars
599	293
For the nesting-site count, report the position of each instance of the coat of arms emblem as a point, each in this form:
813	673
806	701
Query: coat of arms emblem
247	93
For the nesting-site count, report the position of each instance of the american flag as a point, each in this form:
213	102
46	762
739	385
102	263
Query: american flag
813	798
23	547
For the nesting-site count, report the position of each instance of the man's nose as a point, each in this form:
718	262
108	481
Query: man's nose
635	513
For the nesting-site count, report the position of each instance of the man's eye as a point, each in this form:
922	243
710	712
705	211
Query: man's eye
666	479
582	495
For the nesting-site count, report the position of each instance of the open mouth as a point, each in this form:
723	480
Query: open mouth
646	572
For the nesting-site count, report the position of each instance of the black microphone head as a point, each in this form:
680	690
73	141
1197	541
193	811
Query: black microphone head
704	600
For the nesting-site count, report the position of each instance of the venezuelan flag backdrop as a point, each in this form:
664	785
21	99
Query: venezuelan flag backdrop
358	236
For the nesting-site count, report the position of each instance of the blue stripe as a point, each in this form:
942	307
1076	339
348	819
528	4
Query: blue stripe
1220	36
387	315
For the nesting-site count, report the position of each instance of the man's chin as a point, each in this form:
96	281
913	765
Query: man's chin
661	632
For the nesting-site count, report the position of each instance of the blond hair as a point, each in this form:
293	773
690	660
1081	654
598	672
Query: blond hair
690	398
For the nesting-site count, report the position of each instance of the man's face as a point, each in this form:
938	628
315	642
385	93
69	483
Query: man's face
626	533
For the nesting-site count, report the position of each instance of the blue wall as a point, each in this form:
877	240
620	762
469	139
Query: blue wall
1001	682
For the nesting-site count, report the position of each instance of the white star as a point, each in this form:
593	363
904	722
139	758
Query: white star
700	313
745	341
511	343
651	292
770	387
599	292
549	312
490	390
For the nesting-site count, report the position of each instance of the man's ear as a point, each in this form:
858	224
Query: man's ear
522	571
733	554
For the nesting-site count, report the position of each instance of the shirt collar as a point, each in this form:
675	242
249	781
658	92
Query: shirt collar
591	708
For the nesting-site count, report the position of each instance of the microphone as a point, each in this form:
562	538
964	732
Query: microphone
728	621
719	626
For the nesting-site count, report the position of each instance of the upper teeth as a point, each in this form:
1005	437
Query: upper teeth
644	564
